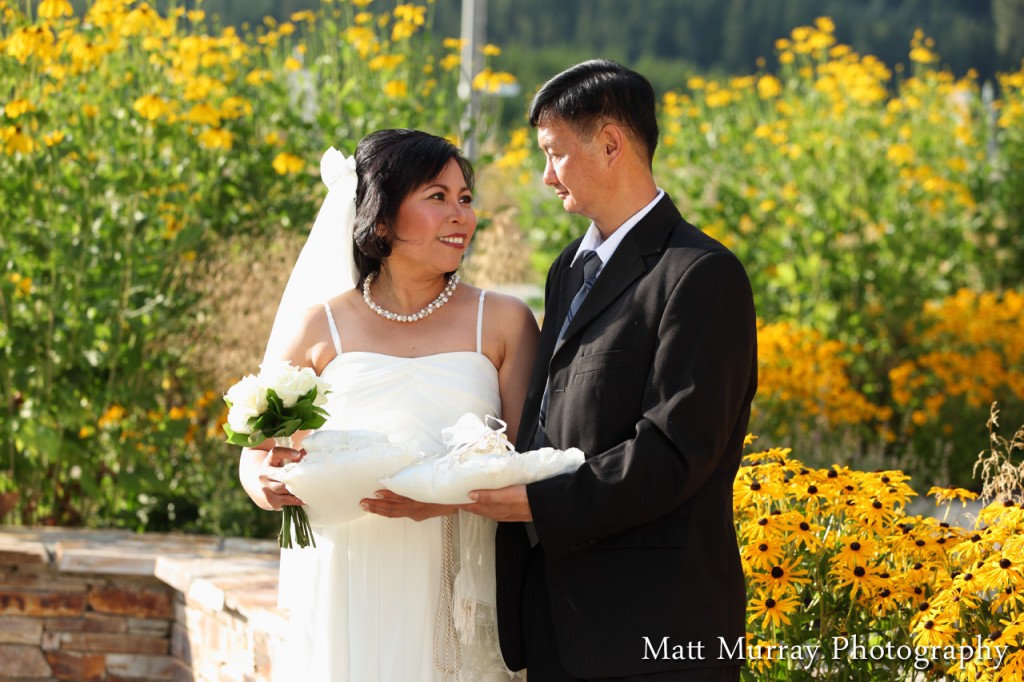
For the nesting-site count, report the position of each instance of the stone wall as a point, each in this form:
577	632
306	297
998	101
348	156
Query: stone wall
93	606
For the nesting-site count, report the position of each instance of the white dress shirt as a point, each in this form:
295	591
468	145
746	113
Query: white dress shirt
593	241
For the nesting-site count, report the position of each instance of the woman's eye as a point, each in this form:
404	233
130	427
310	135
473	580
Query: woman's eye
466	199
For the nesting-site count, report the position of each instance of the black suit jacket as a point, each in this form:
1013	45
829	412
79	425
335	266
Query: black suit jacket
653	380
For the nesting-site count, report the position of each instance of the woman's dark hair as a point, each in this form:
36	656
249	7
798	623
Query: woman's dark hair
390	165
594	91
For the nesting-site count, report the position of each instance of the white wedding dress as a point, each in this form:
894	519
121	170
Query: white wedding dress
365	602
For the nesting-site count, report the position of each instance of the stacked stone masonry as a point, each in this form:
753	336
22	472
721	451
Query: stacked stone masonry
82	605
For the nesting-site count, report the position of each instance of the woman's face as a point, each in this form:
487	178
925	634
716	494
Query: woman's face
434	224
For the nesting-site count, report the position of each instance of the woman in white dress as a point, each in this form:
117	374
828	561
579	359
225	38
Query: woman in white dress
410	347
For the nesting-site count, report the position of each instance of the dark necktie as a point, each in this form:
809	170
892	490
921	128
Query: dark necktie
591	267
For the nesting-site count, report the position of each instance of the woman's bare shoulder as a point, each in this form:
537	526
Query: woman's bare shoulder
510	312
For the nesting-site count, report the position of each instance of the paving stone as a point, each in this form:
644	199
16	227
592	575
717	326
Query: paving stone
21	630
70	665
24	661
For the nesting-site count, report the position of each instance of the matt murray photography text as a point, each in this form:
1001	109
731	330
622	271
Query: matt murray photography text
854	648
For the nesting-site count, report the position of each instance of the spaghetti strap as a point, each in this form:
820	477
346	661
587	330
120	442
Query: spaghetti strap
334	328
480	323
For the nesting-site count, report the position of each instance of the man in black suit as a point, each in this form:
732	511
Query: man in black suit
628	568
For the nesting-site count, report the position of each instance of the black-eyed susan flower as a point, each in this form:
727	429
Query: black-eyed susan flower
951	494
861	580
936	631
855	551
763	554
775	611
766	526
1001	571
781	578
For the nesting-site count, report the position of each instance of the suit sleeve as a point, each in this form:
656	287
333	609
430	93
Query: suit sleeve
700	384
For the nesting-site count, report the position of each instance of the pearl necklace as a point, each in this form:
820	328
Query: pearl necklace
441	299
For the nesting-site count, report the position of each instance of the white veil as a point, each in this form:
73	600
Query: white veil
326	266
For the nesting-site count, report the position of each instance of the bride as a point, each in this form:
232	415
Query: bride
404	592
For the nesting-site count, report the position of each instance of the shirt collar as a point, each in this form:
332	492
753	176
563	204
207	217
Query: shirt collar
593	241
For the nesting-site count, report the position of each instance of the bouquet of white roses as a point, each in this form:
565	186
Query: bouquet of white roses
281	400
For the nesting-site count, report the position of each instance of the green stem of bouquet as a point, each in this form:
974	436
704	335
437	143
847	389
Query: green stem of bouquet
295	524
295	528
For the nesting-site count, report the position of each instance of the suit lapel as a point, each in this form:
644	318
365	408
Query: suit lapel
627	265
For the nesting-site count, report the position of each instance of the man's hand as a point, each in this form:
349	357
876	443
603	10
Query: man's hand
503	504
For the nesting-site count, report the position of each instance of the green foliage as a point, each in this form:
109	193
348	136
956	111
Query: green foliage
130	143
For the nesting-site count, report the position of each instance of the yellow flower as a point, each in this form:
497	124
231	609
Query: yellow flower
775	611
17	141
235	107
768	87
151	107
54	138
860	579
216	138
387	62
55	9
90	110
855	552
112	416
361	3
22	285
938	631
402	30
950	493
763	554
285	163
782	577
492	81
923	55
413	14
453	43
258	77
292	64
396	89
17	107
491	50
203	114
451	61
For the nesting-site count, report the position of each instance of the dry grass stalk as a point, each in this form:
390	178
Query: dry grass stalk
1002	479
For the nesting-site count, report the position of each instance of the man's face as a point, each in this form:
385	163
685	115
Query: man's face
573	166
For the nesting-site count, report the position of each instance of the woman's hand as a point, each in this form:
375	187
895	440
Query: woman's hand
259	471
391	505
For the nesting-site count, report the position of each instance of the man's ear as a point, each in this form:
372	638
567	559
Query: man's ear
612	139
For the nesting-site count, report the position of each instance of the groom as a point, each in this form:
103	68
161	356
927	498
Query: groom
628	568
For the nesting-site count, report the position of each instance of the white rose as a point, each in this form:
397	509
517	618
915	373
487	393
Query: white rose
290	383
248	399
